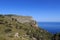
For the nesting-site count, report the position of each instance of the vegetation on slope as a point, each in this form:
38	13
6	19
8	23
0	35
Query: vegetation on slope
11	29
56	36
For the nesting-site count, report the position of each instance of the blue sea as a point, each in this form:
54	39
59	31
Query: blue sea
52	27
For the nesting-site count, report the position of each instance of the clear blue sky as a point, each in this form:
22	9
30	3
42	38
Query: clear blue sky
41	10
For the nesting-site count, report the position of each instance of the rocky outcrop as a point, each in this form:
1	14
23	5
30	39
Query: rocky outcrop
25	19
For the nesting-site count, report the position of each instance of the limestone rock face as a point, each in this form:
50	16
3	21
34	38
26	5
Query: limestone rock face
25	19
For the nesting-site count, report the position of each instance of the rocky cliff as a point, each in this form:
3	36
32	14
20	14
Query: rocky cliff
14	27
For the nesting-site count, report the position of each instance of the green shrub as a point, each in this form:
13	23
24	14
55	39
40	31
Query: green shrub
7	30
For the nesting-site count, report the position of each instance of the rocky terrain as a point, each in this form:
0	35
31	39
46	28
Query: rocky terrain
13	27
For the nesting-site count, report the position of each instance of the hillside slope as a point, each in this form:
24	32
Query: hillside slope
56	36
14	27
